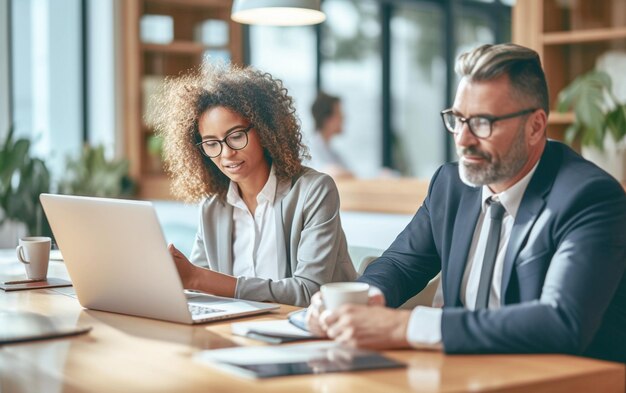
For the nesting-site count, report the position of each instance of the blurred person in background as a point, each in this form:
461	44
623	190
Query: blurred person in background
328	118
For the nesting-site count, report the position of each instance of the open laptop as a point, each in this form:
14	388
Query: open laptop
117	258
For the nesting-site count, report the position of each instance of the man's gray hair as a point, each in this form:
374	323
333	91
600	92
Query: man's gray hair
522	65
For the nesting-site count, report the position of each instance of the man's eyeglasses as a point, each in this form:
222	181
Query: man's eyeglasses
481	126
236	140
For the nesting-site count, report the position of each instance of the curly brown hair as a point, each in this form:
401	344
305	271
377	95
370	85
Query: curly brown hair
254	95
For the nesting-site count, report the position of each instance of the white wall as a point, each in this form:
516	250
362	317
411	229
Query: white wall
5	115
101	74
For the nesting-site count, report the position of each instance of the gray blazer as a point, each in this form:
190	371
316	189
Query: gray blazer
312	249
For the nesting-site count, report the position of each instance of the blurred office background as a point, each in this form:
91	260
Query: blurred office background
84	71
63	70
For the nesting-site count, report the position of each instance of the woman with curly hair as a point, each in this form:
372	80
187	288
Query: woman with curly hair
269	227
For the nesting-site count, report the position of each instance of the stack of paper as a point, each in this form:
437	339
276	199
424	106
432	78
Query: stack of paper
274	332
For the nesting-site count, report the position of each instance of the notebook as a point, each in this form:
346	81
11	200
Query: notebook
50	282
117	259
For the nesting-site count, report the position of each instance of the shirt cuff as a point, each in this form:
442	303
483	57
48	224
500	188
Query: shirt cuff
238	287
424	329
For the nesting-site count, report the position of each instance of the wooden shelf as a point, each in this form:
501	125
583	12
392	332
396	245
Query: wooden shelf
574	37
569	36
182	47
189	3
144	59
155	186
191	48
397	196
561	118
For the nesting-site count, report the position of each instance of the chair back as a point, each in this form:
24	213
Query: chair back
362	256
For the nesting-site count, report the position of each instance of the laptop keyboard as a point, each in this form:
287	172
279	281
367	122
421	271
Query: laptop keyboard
196	310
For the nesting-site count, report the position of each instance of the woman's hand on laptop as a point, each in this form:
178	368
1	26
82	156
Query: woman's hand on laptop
200	278
186	269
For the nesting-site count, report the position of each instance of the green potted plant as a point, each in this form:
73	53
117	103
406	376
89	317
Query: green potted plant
91	174
597	111
155	153
599	120
22	179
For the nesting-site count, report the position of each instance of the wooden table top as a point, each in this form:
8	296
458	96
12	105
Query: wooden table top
131	354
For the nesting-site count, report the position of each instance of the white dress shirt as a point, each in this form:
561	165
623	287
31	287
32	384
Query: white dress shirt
254	236
323	156
424	329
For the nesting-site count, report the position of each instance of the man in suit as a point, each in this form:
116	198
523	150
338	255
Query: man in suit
529	237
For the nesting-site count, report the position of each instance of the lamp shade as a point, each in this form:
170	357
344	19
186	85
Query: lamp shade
277	12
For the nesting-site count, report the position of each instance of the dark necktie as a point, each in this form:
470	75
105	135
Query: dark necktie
496	211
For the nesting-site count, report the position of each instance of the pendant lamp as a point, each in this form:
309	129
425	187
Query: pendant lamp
277	12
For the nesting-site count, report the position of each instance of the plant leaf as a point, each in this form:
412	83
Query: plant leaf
571	132
92	174
14	159
586	95
616	122
22	179
566	97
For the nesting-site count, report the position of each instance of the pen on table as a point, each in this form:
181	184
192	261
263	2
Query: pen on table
297	319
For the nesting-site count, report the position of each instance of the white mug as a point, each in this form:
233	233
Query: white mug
337	294
34	253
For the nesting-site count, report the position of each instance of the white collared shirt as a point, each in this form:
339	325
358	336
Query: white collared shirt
254	236
424	329
323	156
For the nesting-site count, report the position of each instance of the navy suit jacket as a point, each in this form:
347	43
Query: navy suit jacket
563	285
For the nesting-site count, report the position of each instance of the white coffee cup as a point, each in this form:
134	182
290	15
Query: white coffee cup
34	253
337	294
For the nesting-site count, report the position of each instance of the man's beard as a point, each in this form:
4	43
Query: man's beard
491	172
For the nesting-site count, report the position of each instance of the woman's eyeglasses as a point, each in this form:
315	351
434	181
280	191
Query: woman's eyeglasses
236	140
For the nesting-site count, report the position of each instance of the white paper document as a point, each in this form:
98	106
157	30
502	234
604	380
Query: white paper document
278	328
268	354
